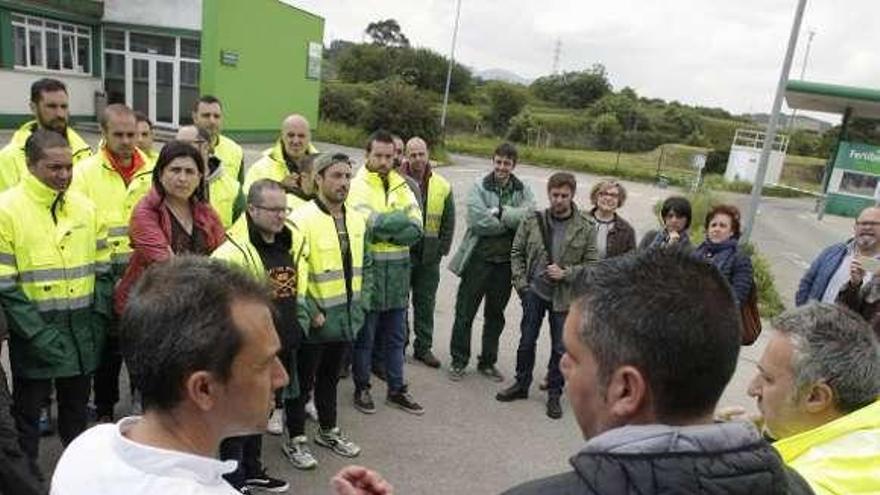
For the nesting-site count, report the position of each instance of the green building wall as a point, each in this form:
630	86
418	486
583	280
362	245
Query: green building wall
269	42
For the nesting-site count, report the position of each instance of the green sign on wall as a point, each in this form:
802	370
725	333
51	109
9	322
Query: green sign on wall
858	156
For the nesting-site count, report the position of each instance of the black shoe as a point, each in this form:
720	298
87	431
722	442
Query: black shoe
265	482
363	401
379	372
512	393
554	409
428	358
403	401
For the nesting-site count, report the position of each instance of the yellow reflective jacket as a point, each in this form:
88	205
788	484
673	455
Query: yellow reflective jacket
13	166
96	179
225	195
231	156
55	280
323	285
840	457
438	214
271	165
395	222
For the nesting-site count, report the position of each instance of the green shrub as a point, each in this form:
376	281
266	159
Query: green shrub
338	133
402	109
342	103
505	101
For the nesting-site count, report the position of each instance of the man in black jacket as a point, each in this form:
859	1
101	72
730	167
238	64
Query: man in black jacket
649	350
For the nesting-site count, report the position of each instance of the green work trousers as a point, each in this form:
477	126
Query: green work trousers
480	279
424	280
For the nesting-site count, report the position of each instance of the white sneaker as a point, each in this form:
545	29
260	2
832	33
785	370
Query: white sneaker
298	453
275	426
311	411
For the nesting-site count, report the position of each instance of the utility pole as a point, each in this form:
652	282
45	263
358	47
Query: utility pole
810	34
770	138
449	71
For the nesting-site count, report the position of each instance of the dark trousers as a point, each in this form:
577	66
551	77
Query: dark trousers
424	280
534	309
106	380
390	324
72	396
247	450
480	279
318	367
18	474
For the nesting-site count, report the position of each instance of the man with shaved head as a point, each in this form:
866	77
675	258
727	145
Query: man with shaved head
438	216
834	266
281	162
207	114
115	179
224	191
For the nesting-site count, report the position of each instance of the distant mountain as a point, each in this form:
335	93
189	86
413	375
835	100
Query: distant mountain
800	121
502	75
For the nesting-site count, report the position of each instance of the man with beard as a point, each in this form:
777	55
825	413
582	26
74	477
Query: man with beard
49	104
832	268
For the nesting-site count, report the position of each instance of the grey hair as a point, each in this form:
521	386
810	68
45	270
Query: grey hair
836	346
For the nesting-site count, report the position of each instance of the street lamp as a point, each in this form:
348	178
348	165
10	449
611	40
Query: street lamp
449	71
770	138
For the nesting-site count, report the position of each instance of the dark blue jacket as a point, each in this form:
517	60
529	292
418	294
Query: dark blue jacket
815	281
735	266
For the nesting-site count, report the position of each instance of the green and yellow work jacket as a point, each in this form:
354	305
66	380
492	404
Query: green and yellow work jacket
438	215
231	157
271	165
13	165
395	223
114	200
55	280
225	195
328	282
840	457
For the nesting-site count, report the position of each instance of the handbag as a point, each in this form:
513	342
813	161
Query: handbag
751	318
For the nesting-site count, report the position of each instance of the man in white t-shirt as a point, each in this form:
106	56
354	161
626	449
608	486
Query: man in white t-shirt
198	339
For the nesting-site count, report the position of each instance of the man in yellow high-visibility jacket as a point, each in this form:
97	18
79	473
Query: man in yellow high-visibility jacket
145	136
207	114
55	285
817	388
50	106
282	161
114	179
395	221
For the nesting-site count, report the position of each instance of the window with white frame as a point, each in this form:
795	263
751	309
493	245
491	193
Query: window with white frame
51	45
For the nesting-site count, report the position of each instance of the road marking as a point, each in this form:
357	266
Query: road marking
796	259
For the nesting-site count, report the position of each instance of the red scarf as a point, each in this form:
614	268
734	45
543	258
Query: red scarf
126	171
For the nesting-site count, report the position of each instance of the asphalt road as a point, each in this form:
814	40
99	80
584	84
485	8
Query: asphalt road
469	443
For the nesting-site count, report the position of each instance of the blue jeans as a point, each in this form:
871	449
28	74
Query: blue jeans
534	309
388	325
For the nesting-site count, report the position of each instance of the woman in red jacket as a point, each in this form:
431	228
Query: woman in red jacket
173	218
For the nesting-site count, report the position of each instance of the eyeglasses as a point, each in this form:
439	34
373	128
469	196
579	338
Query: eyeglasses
609	194
868	224
286	210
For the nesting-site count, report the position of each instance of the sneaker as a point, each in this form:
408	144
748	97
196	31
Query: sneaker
491	372
403	401
265	482
554	409
456	373
243	489
311	411
363	401
275	426
512	393
428	358
334	439
298	453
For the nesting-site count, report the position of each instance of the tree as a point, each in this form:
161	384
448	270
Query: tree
607	130
387	33
573	89
505	101
402	109
364	63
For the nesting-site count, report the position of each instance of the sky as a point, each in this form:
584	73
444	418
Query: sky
700	52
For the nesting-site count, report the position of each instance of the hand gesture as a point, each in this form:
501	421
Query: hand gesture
856	272
357	480
555	273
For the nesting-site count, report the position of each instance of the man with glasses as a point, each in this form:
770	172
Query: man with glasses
224	190
834	266
262	243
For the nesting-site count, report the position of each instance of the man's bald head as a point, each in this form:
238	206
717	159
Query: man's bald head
417	152
197	137
296	135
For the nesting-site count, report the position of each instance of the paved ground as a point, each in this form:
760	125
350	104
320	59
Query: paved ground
469	443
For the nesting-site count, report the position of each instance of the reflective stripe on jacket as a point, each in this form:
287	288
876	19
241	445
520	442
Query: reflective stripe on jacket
54	280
